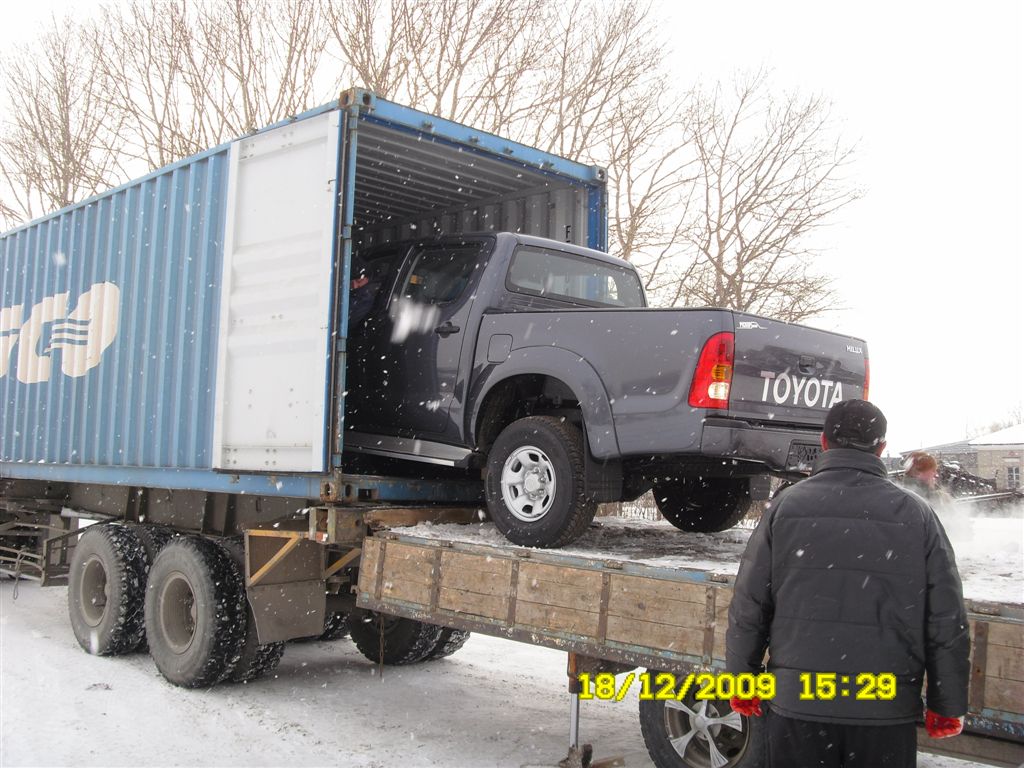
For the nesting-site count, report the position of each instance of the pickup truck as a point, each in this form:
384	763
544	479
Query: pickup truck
540	363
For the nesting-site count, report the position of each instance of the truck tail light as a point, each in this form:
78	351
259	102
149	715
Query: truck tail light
713	377
867	377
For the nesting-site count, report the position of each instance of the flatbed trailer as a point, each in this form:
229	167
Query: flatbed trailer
613	615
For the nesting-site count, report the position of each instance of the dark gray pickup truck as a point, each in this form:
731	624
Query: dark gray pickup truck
541	364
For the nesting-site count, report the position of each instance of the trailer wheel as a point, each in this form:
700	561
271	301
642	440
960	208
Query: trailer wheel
153	538
335	627
448	643
106	590
392	640
195	612
701	734
703	504
535	483
254	660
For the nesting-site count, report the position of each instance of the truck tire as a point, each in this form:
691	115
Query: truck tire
153	538
195	612
677	738
392	640
703	504
448	643
107	589
254	660
535	483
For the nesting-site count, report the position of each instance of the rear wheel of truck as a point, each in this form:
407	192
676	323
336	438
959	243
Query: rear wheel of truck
701	734
448	643
107	589
195	612
703	504
535	483
392	640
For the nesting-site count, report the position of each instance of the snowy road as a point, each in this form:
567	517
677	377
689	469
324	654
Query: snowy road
495	703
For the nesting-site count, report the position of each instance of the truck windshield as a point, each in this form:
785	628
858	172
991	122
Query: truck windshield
577	279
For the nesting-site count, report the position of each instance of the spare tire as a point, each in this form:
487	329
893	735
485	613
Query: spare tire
106	590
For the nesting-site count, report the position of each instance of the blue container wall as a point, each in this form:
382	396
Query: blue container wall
149	400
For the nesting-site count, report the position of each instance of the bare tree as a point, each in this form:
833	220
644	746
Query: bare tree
55	147
769	175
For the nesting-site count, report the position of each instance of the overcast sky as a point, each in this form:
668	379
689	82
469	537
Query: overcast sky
929	263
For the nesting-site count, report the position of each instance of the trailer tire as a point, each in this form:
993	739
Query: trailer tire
254	659
196	617
703	504
107	589
335	627
153	538
536	492
450	641
665	722
392	640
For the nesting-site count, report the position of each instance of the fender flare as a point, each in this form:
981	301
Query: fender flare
572	370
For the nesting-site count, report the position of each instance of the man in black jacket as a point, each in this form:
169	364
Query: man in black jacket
849	583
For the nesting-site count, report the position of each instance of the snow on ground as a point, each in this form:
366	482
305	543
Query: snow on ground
494	703
989	549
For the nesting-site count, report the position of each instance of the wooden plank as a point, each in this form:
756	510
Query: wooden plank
1004	633
674	612
473	604
481	584
368	565
587	581
1006	695
1005	663
460	562
651	635
342	561
653	590
406	563
400	517
550	617
977	658
411	591
560	595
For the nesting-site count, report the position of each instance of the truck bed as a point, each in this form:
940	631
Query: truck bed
644	608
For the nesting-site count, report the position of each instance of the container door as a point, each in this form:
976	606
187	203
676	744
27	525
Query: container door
405	363
276	300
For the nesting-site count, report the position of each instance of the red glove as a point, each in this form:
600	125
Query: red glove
940	727
747	707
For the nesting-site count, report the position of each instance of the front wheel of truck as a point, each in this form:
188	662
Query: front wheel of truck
535	483
700	734
703	504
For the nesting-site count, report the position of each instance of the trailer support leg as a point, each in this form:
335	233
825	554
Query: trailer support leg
578	757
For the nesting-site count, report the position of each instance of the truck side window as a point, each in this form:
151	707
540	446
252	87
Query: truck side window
440	274
576	279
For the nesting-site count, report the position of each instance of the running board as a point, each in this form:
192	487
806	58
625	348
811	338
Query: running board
413	449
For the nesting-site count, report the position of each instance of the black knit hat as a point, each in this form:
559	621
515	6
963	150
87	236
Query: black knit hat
855	424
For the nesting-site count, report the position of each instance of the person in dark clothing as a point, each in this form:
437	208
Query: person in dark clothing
849	576
364	287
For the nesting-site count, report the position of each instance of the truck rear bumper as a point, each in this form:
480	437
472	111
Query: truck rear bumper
778	448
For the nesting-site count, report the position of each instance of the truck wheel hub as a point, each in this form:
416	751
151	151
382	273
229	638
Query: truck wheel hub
528	483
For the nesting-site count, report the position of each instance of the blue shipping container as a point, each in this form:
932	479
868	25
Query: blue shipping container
186	330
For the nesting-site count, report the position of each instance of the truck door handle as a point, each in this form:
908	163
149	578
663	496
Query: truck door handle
446	329
806	365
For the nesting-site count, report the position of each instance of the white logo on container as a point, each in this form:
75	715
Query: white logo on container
81	335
